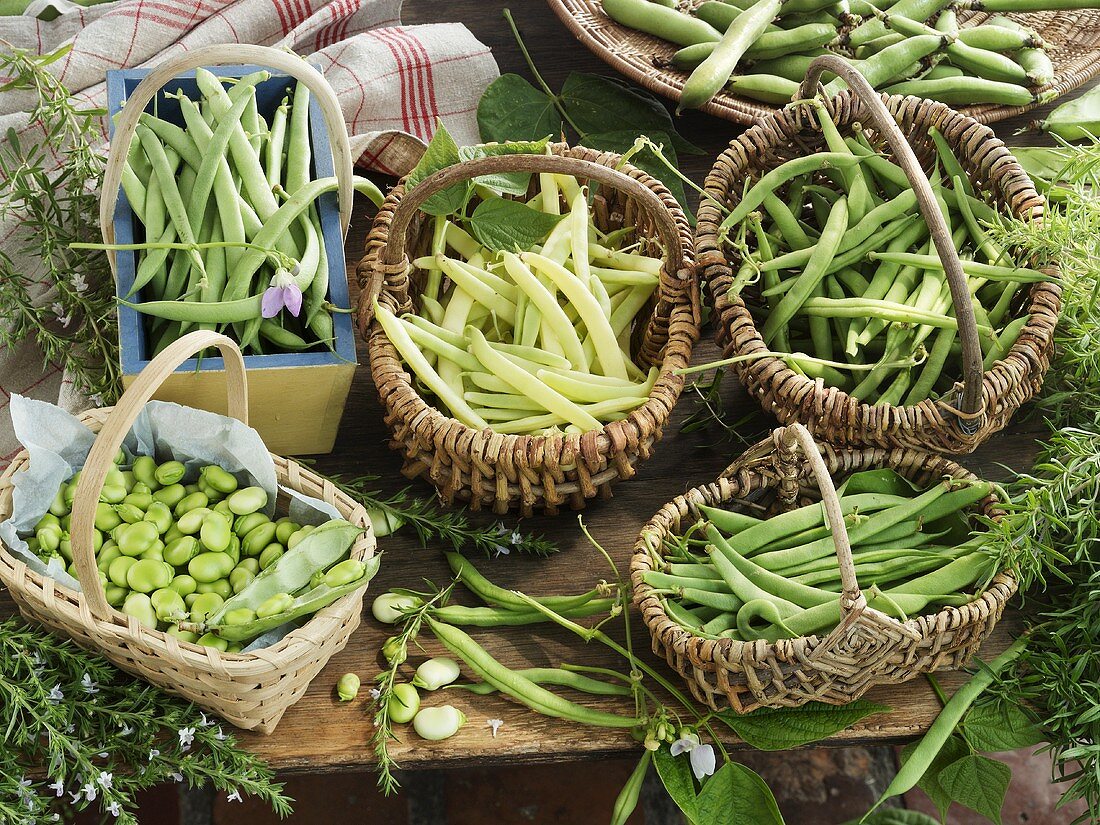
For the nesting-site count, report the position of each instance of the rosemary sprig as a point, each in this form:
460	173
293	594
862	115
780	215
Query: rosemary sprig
61	298
434	524
383	727
80	733
710	412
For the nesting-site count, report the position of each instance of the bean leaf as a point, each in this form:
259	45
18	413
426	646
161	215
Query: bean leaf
953	750
622	141
978	783
441	152
895	816
774	729
513	109
510	183
593	102
675	773
736	795
502	224
1000	726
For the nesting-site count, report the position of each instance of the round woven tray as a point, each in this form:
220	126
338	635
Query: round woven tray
1072	38
867	648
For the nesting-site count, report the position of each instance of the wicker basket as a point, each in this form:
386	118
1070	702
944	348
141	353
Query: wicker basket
505	472
250	690
984	401
1072	38
867	648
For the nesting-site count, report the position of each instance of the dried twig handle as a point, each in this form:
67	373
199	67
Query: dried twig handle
972	402
118	424
225	55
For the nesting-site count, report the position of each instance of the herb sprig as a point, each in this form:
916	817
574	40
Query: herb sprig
80	733
63	299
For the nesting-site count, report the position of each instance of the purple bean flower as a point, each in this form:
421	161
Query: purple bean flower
282	294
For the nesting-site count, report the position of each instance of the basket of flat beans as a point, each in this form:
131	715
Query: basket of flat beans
860	288
187	578
771	587
524	343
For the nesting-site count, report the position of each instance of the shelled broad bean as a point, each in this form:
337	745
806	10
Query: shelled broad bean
228	208
738	576
846	283
202	560
760	49
530	340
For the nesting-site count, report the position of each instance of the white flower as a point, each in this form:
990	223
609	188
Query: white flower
75	797
234	797
495	725
56	695
204	722
88	684
153	754
58	787
90	792
98	400
517	537
221	737
114	809
701	756
80	284
178	777
375	693
501	550
124	729
59	311
105	780
187	736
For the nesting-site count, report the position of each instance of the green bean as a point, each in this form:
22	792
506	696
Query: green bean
714	72
778	586
965	90
553	676
666	23
298	153
894	61
518	687
764	87
973	269
918	10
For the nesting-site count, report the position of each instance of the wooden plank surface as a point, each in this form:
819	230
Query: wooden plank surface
320	734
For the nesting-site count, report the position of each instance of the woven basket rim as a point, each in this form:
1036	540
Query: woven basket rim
286	651
657	620
607	437
607	40
719	185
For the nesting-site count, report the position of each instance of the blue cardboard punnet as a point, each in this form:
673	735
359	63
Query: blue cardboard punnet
133	344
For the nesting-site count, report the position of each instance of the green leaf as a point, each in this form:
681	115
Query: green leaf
894	816
646	160
736	795
441	152
511	183
953	750
513	109
593	102
675	773
979	783
503	224
1000	726
774	729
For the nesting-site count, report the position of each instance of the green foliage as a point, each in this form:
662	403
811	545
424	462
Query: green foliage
954	748
776	729
736	795
1000	726
80	734
894	816
979	783
64	300
506	225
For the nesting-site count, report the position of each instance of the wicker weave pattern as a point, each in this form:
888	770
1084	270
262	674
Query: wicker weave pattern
250	690
830	413
1072	38
834	669
528	472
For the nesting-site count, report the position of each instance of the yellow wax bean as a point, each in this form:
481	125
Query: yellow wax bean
552	313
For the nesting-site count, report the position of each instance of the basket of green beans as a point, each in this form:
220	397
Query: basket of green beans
525	346
179	574
773	587
850	247
740	59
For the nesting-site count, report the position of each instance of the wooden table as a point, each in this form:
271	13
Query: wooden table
319	734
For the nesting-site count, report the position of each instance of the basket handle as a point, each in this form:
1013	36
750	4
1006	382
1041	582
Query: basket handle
971	403
110	437
394	261
222	55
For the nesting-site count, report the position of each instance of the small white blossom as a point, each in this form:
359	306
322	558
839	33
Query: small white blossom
98	400
701	756
495	725
178	777
220	736
234	797
56	695
153	754
375	693
114	809
90	792
105	780
58	787
187	736
124	729
88	684
59	311
203	721
501	550
80	284
76	797
517	537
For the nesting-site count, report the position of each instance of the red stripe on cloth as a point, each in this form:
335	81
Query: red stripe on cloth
373	159
283	22
403	77
415	110
426	78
